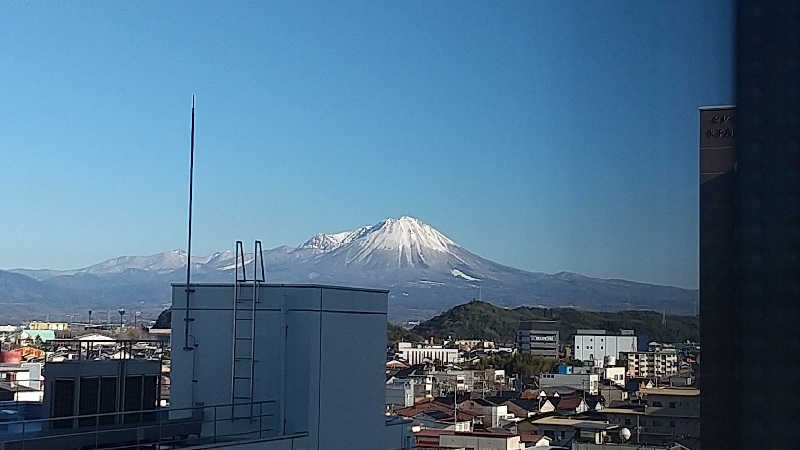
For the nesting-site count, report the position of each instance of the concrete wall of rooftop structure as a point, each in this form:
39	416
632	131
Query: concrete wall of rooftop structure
319	357
593	347
585	382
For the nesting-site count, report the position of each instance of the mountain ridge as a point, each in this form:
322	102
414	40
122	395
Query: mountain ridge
425	271
483	320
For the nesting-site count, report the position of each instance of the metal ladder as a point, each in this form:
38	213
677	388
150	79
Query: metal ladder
243	354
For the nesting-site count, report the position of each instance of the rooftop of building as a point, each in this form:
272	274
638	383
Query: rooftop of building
532	438
11	386
588	332
493	434
13	367
562	421
622	411
653	412
434	408
682	391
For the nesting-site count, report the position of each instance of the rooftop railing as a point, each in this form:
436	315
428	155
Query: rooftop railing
155	428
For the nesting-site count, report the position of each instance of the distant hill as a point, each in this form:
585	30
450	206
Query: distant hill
482	320
164	319
396	333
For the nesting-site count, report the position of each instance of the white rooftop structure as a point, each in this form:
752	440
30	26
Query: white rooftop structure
318	365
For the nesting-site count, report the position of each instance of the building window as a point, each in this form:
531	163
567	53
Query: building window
88	400
672	423
627	421
657	404
672	404
63	402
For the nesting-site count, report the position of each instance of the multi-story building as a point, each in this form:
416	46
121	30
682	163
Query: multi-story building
288	362
588	382
615	375
659	364
596	345
417	353
538	337
55	326
400	393
669	414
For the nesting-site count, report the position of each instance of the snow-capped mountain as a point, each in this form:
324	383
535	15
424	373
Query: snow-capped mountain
425	271
327	242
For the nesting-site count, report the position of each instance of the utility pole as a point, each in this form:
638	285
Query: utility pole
189	290
637	429
455	404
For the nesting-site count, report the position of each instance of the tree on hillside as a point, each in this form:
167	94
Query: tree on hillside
522	365
164	319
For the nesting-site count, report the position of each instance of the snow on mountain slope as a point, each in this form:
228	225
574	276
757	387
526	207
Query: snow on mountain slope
160	262
424	270
327	242
459	274
408	239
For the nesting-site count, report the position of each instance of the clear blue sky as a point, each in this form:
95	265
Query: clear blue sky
544	135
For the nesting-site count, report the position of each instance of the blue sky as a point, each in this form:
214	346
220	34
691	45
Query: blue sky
544	135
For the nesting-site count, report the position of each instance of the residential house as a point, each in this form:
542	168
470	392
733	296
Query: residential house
422	381
396	365
30	337
446	439
22	381
564	430
522	407
681	380
497	414
535	440
399	393
614	374
548	404
613	392
97	339
635	385
436	415
569	406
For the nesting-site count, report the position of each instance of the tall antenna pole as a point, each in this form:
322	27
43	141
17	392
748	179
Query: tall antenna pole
189	243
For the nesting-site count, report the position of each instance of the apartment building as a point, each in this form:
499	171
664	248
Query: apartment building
657	364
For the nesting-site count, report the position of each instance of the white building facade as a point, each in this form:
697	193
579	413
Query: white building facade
615	375
597	345
416	354
305	372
